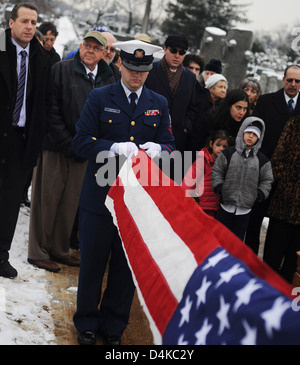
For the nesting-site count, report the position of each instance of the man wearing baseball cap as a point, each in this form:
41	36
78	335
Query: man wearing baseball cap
59	169
118	120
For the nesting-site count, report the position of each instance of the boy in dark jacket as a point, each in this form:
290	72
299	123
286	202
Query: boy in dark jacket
241	175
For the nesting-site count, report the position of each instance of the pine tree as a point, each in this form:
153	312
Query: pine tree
191	17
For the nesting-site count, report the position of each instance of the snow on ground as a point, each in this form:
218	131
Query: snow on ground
25	311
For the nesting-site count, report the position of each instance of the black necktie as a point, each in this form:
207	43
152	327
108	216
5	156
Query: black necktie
290	107
133	96
20	90
91	77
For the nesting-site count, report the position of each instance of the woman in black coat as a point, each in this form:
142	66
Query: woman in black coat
228	116
231	113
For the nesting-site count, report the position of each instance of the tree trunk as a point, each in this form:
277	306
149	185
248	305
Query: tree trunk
145	24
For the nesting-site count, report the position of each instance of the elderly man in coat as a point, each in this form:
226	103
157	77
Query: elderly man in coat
59	174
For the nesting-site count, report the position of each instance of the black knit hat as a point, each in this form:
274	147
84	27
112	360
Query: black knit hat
175	40
214	65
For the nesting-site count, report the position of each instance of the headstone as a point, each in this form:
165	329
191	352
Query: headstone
212	43
236	55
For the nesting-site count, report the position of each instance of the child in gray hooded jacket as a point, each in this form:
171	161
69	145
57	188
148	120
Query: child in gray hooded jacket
242	175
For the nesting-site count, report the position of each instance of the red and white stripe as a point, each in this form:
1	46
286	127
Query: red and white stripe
165	237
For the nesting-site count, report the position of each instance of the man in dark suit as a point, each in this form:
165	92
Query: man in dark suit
274	109
171	79
25	94
116	120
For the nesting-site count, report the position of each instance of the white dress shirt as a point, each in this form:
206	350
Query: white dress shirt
22	120
94	72
128	92
287	98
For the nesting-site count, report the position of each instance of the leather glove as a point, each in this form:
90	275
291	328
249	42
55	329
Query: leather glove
128	149
152	149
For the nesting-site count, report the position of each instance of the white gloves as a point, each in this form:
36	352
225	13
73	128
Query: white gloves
128	149
152	149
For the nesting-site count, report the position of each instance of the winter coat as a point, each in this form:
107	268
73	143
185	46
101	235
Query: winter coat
38	101
202	188
204	125
272	108
242	180
181	105
285	201
54	56
72	87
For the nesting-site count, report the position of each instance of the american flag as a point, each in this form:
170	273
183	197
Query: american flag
197	282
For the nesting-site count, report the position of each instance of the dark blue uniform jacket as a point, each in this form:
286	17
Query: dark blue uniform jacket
107	118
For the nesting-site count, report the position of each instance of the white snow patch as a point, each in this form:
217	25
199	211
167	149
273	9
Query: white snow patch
216	31
25	304
66	33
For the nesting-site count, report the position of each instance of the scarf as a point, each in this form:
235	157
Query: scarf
173	77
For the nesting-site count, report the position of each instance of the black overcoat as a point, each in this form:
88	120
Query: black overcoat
272	109
38	101
181	104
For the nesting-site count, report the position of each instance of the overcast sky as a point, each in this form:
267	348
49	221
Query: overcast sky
269	14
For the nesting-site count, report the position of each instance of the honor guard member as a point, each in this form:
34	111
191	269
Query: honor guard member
110	123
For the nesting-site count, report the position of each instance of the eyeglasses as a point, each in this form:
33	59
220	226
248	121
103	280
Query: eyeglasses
110	49
95	48
291	80
174	50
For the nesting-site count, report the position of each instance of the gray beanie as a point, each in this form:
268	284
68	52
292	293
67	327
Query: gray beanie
213	79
